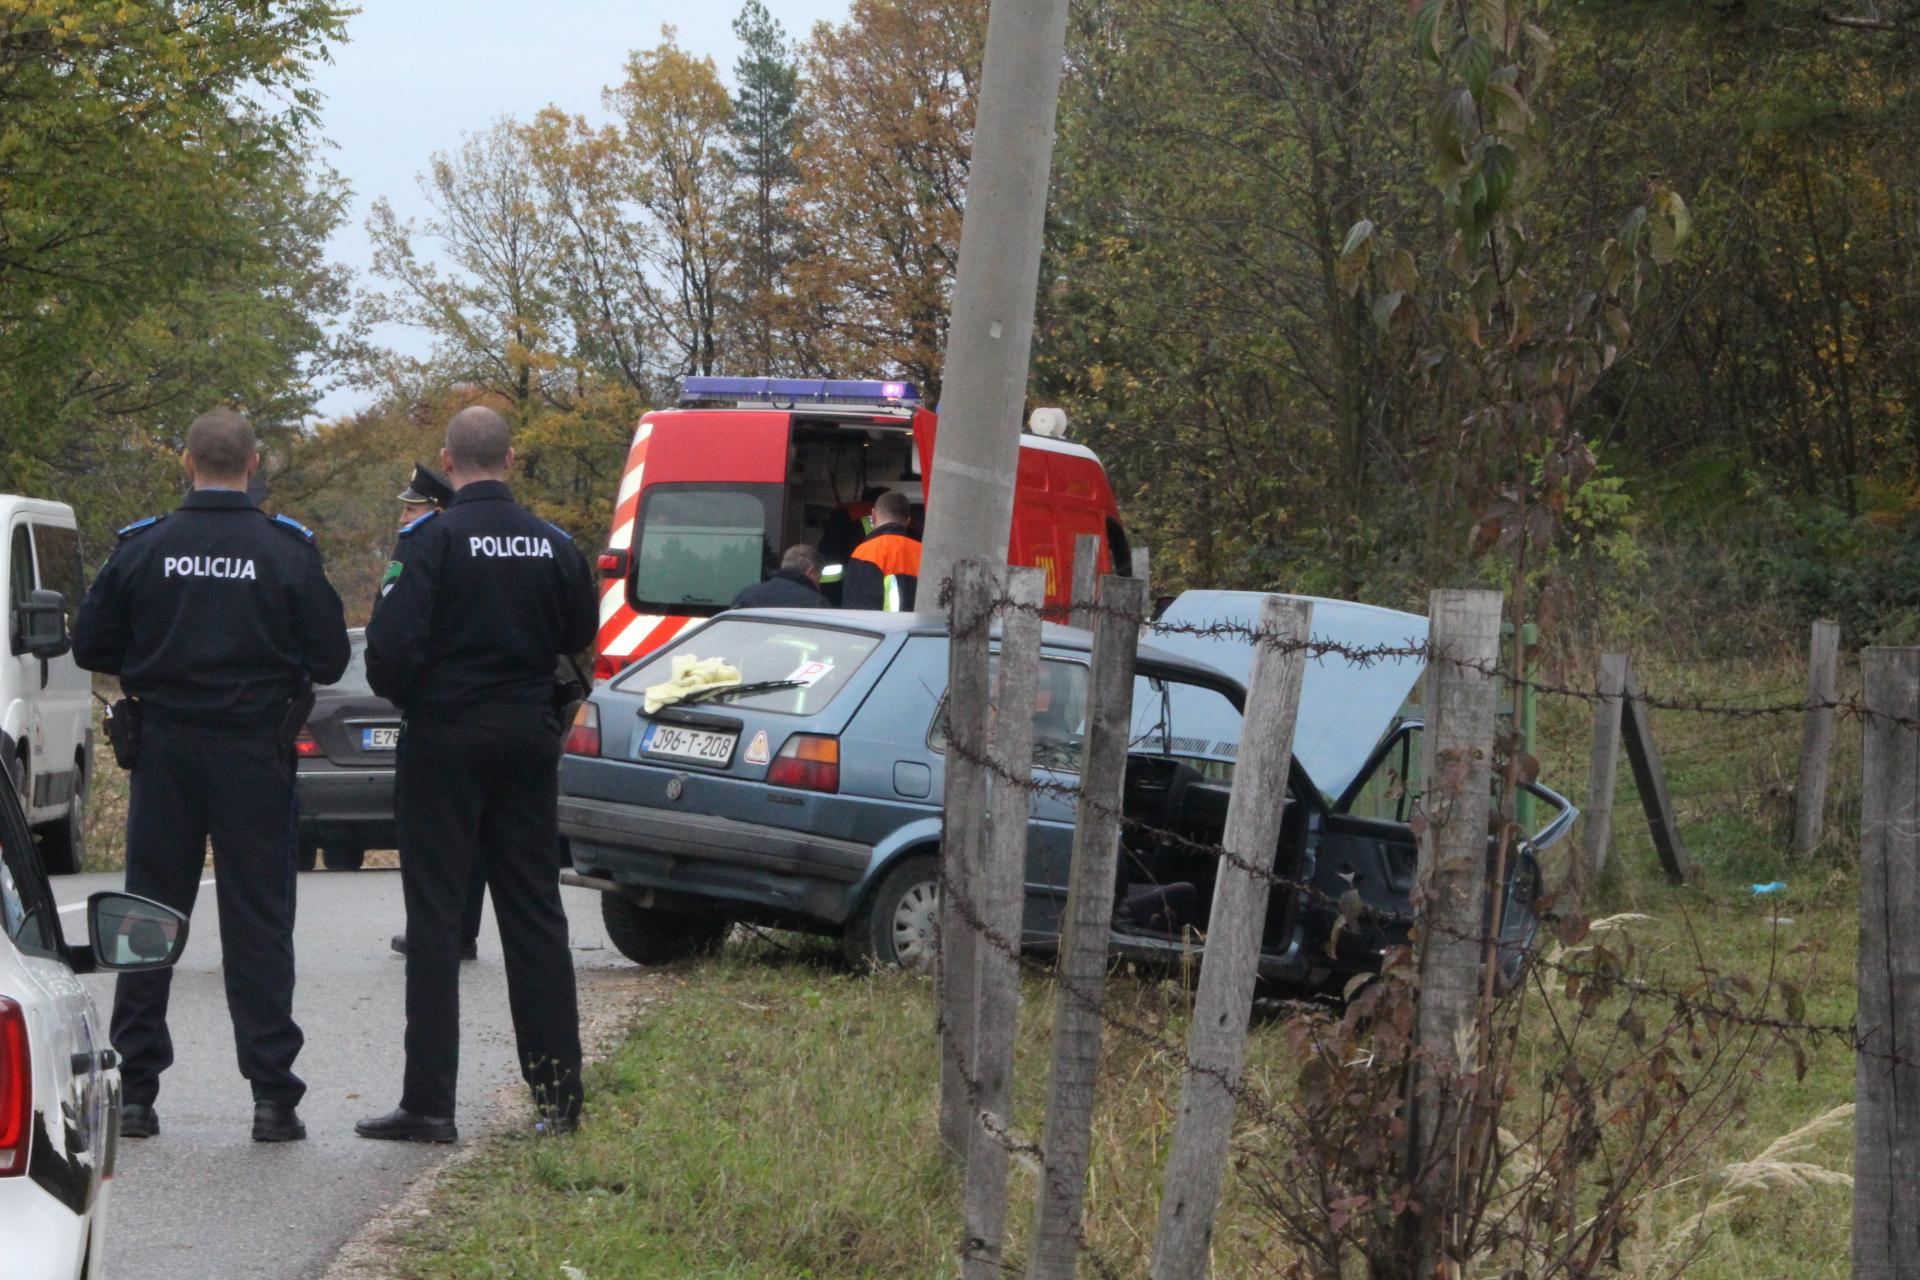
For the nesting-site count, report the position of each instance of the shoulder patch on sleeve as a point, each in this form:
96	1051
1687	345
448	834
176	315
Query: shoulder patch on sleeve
294	526
140	526
412	525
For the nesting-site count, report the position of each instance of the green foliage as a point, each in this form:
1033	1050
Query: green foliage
160	235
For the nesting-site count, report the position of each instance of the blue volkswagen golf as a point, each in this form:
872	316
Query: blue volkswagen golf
806	794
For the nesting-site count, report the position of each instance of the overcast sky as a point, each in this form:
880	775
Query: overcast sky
417	74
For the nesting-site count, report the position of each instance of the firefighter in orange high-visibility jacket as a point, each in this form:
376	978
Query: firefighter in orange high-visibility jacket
884	569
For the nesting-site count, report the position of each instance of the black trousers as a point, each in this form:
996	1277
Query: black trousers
235	786
486	779
476	900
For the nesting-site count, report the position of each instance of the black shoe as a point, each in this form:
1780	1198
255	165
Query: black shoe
400	1125
276	1122
138	1120
469	950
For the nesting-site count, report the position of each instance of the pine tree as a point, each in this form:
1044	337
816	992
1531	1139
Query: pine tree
762	128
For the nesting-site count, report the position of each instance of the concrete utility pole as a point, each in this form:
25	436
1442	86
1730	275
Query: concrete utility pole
990	337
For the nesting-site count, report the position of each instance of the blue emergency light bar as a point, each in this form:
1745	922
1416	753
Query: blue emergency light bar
710	392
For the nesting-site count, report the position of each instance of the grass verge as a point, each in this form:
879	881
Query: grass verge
773	1115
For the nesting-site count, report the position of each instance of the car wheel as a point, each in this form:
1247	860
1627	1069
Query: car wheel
345	857
896	925
63	844
306	854
652	936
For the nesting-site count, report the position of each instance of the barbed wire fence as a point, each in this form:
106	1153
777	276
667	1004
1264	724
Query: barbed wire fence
1453	972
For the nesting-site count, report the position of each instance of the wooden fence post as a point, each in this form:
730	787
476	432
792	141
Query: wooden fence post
1001	895
1196	1166
1650	780
962	839
1816	736
1082	982
1462	699
1886	1122
1086	579
1603	773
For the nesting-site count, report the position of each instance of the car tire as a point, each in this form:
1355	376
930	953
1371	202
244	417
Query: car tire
895	925
344	857
652	936
63	844
306	854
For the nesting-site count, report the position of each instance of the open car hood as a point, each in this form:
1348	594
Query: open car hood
1345	707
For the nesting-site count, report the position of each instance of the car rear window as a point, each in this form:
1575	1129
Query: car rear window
820	660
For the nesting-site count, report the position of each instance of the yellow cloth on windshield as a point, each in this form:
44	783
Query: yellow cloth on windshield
690	675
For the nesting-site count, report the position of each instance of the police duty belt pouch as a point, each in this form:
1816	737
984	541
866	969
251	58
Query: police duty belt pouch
123	731
295	719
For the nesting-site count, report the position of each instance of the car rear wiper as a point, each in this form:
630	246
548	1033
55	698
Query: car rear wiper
738	690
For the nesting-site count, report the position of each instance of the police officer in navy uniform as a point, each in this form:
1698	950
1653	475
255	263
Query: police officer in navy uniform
218	620
476	607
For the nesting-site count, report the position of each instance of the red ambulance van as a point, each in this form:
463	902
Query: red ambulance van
716	488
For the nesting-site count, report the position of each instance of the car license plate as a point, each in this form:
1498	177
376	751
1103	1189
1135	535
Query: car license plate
688	744
384	737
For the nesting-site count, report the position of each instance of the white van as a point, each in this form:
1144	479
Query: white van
46	722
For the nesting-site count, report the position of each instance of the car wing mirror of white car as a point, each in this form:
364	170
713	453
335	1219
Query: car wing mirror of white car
129	933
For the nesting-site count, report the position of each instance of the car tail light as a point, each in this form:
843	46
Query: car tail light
807	761
583	739
606	666
16	1090
612	563
305	744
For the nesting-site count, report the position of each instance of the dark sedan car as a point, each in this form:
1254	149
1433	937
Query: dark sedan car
345	778
809	795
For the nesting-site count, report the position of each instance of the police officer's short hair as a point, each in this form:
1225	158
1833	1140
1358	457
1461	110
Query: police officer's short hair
892	507
802	558
477	439
221	443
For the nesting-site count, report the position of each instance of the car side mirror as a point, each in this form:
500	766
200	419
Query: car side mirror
130	933
40	626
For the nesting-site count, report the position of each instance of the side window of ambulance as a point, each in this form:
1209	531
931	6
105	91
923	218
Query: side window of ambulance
58	552
19	567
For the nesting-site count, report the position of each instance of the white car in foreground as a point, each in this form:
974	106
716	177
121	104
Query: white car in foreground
59	1082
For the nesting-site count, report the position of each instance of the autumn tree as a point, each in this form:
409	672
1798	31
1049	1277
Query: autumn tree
673	116
888	97
480	274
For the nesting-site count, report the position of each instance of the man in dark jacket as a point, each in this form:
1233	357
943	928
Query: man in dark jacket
477	605
217	619
794	585
884	570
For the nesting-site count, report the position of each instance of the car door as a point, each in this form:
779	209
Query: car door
1059	728
63	714
1366	845
19	672
71	1165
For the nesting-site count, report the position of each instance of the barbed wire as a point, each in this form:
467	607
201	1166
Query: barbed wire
1850	706
1363	913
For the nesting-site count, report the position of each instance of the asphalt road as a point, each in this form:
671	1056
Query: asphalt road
204	1200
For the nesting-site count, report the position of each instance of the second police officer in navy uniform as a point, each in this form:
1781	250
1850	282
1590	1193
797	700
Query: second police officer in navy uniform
218	621
476	607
